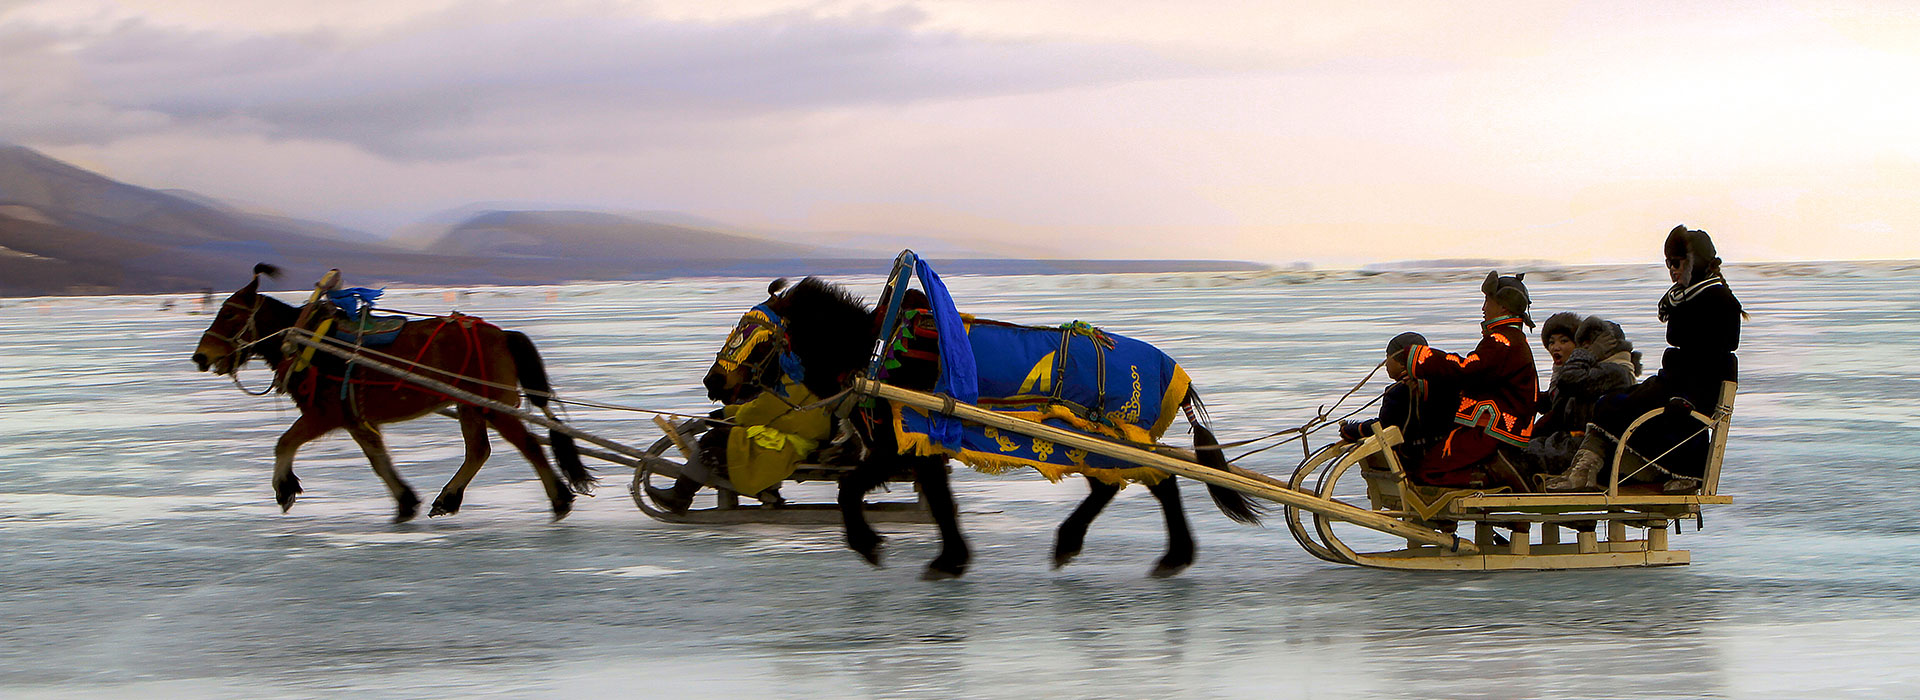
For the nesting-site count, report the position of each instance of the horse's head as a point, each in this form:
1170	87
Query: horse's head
828	335
747	364
226	343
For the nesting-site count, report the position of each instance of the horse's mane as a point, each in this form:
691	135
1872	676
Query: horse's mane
831	331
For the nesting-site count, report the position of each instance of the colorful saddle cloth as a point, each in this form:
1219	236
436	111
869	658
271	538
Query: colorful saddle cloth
1076	378
368	329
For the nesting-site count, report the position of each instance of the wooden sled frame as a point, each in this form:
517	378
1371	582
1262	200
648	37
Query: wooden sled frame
1431	546
1390	493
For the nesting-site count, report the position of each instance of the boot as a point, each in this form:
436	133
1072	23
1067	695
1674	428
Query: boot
1579	477
675	500
1680	485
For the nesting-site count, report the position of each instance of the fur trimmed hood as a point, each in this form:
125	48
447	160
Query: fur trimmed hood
1605	339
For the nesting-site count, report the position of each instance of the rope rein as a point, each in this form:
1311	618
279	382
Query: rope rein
1322	418
423	369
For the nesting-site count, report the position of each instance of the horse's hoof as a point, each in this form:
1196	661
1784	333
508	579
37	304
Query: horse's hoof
285	491
409	507
935	573
868	549
1062	559
444	506
561	509
1168	570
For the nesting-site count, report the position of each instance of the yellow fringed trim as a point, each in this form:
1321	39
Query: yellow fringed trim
1170	401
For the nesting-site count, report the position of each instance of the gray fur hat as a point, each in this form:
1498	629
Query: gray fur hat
1510	293
1603	338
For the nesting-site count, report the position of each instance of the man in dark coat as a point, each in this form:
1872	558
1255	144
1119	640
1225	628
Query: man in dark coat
1703	330
1497	384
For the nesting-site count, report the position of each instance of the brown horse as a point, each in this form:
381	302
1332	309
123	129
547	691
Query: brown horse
331	394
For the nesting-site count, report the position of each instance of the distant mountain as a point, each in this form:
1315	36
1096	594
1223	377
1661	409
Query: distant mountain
73	231
64	230
595	235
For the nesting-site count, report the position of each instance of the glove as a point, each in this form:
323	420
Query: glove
1352	430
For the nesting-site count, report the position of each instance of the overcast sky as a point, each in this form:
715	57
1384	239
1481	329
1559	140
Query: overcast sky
1334	132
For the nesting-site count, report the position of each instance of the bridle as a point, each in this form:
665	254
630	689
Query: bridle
241	348
237	342
779	345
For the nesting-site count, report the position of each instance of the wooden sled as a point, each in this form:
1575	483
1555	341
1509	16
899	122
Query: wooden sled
726	508
1369	473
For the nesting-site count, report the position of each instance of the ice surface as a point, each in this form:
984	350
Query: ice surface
144	555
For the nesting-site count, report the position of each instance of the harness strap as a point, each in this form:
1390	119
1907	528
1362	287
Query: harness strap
306	356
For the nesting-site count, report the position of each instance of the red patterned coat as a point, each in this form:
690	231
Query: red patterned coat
1497	383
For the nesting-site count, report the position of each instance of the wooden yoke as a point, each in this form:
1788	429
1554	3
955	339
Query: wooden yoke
328	282
1267	488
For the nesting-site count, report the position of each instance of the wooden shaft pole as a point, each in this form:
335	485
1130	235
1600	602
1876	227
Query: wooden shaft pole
302	337
1268	488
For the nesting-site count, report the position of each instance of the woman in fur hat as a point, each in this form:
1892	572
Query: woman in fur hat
1602	362
1703	330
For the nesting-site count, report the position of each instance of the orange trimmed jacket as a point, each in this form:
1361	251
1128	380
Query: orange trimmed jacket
1497	382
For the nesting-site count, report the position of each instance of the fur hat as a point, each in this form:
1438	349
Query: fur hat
1697	247
1400	343
1603	338
1563	323
1510	293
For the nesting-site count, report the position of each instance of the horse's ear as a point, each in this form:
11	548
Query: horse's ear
265	269
775	286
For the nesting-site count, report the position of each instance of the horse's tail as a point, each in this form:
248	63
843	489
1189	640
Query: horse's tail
533	381
1234	504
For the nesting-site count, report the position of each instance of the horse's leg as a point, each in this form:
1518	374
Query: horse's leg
1073	532
372	443
931	476
473	427
854	486
1179	554
286	486
515	433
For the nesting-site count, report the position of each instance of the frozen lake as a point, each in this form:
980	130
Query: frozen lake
144	555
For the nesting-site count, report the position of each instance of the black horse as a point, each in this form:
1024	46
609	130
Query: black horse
830	334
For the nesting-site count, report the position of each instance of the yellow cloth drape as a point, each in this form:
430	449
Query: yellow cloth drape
770	437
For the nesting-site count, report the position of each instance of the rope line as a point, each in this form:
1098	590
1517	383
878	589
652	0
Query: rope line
551	396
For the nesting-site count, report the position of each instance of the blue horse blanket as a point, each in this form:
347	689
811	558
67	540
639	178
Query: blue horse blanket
1076	377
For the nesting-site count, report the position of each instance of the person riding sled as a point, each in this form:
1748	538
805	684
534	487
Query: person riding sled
1422	412
766	426
1597	360
1497	388
1703	330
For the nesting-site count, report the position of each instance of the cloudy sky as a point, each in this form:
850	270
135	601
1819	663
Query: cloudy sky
1336	132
